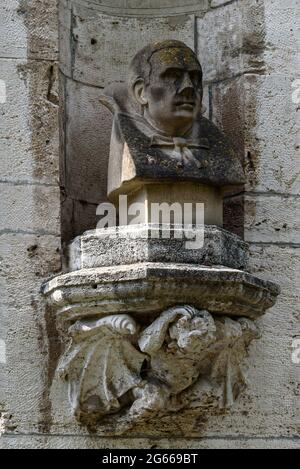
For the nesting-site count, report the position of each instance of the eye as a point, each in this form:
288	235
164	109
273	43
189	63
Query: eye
177	74
196	77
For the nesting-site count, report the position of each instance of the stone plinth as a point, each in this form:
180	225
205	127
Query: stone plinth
132	244
146	288
152	327
178	195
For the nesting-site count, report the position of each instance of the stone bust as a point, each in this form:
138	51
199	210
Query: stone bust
159	133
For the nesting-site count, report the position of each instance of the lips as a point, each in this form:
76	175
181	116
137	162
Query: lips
186	105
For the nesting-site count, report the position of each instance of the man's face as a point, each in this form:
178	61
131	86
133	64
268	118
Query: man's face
174	94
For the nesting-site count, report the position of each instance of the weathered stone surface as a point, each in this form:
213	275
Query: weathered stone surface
233	215
13	31
255	113
133	244
29	130
261	410
29	334
29	208
64	37
273	258
14	131
276	131
282	49
152	286
77	217
29	29
92	46
272	218
30	257
247	38
29	204
88	129
237	45
40	17
153	204
206	101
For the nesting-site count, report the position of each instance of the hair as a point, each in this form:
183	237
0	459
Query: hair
140	66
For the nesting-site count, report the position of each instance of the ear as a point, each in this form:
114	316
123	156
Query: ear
139	92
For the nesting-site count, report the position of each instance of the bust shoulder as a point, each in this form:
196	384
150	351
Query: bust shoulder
141	154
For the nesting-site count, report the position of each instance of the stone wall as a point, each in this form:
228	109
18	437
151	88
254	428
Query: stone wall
250	53
250	74
30	210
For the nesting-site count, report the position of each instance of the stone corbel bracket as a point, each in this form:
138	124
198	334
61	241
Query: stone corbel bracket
163	332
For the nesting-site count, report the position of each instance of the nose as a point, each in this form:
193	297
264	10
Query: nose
186	83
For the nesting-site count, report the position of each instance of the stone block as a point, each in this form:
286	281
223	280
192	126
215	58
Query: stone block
12	30
281	263
272	219
276	132
29	208
29	130
133	244
271	374
262	123
26	260
88	131
43	99
282	31
237	43
28	331
233	215
76	217
62	129
248	38
29	29
206	101
228	112
40	18
14	130
64	37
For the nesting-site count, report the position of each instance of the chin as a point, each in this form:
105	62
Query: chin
184	115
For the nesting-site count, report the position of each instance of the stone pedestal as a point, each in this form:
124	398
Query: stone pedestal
177	195
153	327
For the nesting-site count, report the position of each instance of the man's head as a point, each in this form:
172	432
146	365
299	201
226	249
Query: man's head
166	80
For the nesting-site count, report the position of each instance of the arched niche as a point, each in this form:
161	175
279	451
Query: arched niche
97	41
